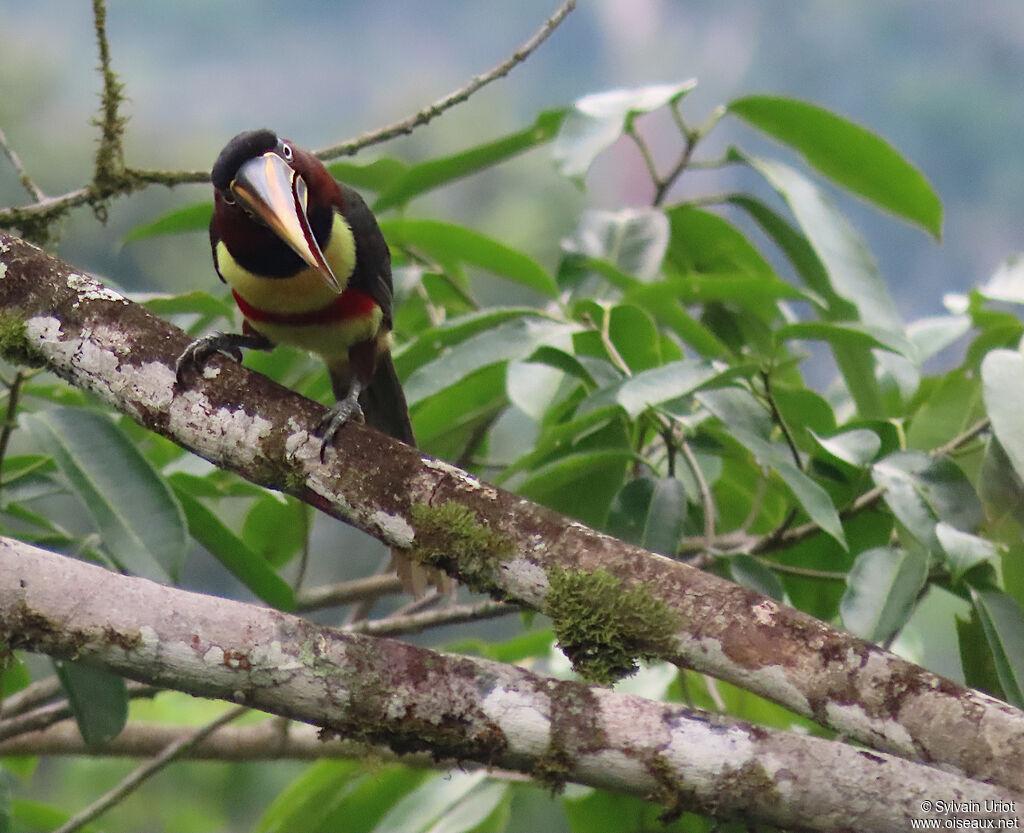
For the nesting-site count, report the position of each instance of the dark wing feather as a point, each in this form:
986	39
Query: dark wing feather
372	273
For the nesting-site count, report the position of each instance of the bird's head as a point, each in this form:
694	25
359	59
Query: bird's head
259	178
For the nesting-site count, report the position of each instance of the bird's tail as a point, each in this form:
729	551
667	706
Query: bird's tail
383	402
385	409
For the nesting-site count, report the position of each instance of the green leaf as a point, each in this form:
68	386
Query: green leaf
999	486
515	339
632	242
564	361
852	273
248	566
451	245
374	176
276	527
98	699
560	439
1003	622
597	121
855	290
431	341
139	520
749	572
930	336
433	799
1002	377
445	422
963	550
752	291
704	243
187	303
657	385
651	513
748	424
881	589
580	485
794	245
635	337
848	154
338	796
195	217
303	804
429	175
976	658
851	334
921	491
856	448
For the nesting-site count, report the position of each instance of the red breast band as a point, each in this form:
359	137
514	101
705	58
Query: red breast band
350	304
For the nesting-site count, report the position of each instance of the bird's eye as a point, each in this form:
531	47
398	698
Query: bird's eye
226	196
286	152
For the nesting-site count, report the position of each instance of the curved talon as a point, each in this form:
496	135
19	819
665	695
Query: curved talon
195	356
346	410
198	353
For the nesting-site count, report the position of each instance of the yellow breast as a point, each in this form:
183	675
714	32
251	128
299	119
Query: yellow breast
303	291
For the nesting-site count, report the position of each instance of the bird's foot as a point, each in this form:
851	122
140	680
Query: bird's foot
345	410
198	353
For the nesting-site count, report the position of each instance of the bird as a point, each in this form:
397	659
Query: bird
308	266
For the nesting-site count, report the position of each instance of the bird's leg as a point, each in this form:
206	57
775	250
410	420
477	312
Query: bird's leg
195	356
344	410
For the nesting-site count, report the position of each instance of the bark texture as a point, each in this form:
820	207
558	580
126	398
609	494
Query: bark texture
415	700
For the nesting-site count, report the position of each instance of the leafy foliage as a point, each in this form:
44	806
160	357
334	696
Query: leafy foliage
653	384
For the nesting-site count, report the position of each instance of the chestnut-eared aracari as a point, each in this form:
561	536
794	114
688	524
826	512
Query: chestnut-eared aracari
308	266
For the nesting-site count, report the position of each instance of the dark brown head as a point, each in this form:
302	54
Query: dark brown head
263	183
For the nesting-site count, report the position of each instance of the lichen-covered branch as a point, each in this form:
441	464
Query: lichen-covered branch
636	604
413	699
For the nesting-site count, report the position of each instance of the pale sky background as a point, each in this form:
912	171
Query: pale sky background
939	80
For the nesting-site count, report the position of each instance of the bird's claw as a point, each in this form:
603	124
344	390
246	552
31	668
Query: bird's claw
344	411
194	357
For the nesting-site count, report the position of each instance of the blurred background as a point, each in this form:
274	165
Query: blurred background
940	81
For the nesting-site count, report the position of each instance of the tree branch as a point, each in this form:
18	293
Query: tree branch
410	123
464	708
493	540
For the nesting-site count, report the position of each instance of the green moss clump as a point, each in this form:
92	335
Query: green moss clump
451	538
14	343
605	626
553	769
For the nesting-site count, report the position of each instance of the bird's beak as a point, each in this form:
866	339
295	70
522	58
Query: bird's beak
272	190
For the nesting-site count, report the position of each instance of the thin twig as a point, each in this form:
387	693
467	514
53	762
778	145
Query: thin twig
410	123
109	174
26	181
416	622
707	499
31	696
777	417
692	138
955	444
346	592
10	418
137	778
806	572
47	715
